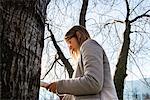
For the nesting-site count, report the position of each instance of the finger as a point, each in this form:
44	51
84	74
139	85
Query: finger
52	85
52	88
47	87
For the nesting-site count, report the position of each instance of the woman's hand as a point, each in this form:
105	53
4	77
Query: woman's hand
52	87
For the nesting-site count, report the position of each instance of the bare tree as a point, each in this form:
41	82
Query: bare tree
21	41
120	73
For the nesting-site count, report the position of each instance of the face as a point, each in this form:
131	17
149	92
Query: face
73	45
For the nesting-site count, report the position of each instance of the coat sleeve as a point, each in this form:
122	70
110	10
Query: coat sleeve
92	80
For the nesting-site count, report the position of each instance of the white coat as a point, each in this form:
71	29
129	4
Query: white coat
92	79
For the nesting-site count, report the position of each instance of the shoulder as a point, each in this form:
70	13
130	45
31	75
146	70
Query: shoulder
91	47
90	43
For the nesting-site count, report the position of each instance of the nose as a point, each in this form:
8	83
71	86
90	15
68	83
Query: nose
69	45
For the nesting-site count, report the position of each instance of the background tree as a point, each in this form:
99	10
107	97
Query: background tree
120	73
21	41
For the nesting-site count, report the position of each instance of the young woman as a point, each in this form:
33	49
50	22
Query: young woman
92	77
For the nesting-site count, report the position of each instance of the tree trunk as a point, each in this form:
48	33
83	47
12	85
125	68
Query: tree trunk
21	42
82	20
121	67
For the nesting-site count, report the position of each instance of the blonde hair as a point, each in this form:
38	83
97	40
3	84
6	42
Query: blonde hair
81	37
84	35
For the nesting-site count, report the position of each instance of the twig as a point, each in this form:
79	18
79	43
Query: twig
50	68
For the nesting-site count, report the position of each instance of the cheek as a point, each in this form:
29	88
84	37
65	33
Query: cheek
76	45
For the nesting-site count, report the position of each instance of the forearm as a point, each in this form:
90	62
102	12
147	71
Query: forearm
79	86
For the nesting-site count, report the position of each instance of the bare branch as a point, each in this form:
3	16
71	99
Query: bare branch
137	77
113	22
140	71
136	6
142	30
143	15
59	63
47	37
128	10
116	30
60	53
118	21
50	68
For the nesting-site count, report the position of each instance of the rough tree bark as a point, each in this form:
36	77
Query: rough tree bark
21	42
121	67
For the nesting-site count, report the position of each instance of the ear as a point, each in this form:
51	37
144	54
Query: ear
78	34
